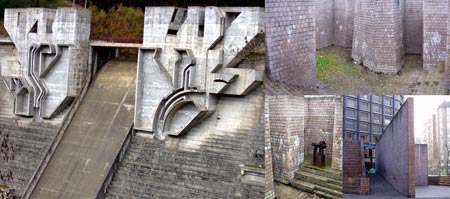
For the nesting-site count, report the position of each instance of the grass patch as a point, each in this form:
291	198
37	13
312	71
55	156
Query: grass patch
4	186
327	66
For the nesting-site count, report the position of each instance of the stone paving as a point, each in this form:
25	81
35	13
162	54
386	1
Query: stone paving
379	188
434	192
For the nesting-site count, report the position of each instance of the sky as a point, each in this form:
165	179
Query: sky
424	108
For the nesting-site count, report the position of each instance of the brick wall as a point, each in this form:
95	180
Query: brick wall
414	26
435	16
270	187
378	35
319	122
290	41
337	135
398	168
286	131
354	179
343	19
324	22
421	164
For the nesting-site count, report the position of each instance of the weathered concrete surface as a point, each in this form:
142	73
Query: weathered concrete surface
398	168
435	17
83	157
378	35
203	163
51	63
421	164
190	57
291	42
434	192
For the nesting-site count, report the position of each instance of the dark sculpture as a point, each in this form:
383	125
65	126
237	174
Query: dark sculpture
319	156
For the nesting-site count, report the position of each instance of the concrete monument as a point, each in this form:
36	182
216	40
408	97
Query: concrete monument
51	65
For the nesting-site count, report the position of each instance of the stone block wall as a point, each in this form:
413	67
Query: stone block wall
398	168
337	156
421	164
286	124
435	17
324	22
354	177
291	42
413	19
378	35
270	187
320	115
343	20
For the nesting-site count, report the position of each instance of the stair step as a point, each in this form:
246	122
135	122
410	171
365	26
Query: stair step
319	180
337	175
315	189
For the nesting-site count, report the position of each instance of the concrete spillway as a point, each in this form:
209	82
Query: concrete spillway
87	149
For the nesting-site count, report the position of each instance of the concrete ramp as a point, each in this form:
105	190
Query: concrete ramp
92	140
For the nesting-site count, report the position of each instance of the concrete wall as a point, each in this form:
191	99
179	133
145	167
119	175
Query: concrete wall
395	151
413	19
343	20
286	124
421	164
354	177
435	17
6	50
324	23
291	42
378	35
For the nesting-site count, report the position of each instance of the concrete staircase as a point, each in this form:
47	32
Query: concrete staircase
444	180
204	163
30	143
325	183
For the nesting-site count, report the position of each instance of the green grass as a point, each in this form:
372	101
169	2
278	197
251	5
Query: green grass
4	186
329	66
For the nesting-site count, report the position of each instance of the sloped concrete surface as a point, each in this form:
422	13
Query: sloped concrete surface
83	158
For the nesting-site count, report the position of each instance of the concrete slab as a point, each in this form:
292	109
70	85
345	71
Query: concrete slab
82	160
435	192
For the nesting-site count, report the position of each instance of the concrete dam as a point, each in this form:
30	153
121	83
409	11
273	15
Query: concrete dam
83	123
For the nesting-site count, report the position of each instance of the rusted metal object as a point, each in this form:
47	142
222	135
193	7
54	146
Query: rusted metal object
319	156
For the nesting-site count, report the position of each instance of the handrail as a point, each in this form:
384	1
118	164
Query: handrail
115	165
51	149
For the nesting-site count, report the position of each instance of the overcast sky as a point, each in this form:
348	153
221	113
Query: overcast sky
424	108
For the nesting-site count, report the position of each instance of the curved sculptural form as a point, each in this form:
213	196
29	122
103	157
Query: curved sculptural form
51	64
190	57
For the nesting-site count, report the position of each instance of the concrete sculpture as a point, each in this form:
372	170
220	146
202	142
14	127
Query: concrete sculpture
51	64
190	56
